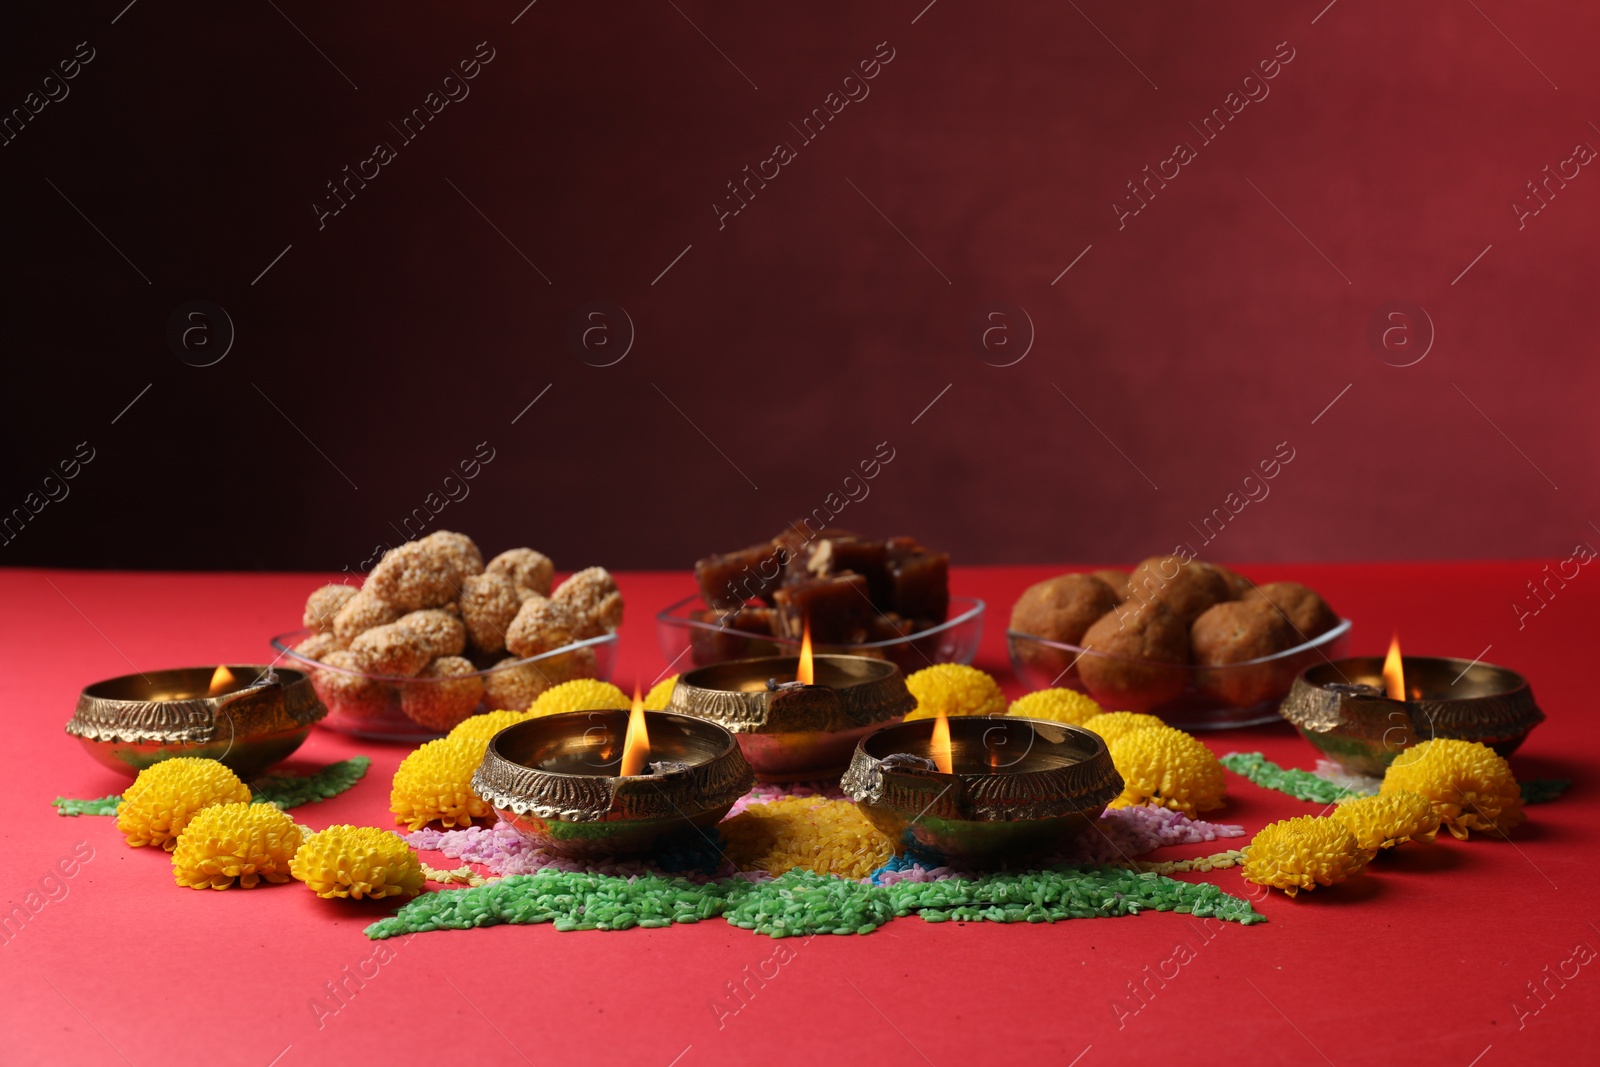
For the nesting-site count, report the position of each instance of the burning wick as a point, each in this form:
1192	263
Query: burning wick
805	673
939	747
221	681
636	746
1394	678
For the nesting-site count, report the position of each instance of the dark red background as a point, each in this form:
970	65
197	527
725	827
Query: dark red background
808	330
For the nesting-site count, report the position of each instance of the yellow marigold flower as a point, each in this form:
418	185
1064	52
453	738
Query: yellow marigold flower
580	694
660	694
243	843
954	689
357	861
166	795
1470	784
483	727
1388	819
435	782
1062	705
1167	768
1303	853
1112	725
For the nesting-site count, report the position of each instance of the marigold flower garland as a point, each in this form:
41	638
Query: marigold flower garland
357	861
1388	819
240	843
435	783
1303	853
168	795
1167	768
954	689
1469	784
1061	705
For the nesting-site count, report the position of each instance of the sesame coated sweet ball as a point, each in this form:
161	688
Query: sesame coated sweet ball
1059	705
1388	819
361	613
323	605
514	685
167	795
318	645
660	694
1469	784
489	603
1114	724
1303	853
356	862
426	573
347	690
444	692
392	650
1139	656
582	694
441	632
1167	768
434	784
236	844
543	624
954	689
593	596
525	568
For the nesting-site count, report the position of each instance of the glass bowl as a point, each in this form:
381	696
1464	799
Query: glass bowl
1182	694
376	710
953	641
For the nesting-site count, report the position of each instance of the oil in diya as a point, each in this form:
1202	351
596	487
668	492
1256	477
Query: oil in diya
1363	711
247	717
979	790
797	718
617	782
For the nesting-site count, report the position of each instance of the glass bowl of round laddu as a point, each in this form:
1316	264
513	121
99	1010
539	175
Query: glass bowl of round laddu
1185	695
953	641
373	705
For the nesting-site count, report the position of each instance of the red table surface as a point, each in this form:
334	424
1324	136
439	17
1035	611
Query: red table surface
1433	956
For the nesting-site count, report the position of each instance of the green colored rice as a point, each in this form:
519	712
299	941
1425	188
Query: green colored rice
1302	785
799	903
102	806
1067	893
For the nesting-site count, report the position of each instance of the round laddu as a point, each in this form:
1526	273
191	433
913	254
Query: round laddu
1138	656
1238	584
543	624
422	574
392	650
488	604
318	645
1186	588
1062	608
361	613
323	605
525	568
1239	630
513	687
458	544
1307	612
442	633
1116	579
353	696
593	596
444	693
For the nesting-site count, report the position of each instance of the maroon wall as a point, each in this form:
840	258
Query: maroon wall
1191	342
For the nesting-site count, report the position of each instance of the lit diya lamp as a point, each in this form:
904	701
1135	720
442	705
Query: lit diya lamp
248	717
797	718
976	790
1362	711
612	783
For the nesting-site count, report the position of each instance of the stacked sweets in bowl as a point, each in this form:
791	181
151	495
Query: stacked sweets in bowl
435	635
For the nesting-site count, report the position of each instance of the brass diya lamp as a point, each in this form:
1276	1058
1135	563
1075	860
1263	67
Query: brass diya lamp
797	718
247	717
980	790
1362	711
612	783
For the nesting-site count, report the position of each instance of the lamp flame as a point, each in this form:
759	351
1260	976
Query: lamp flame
939	747
221	681
805	673
1394	677
636	746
